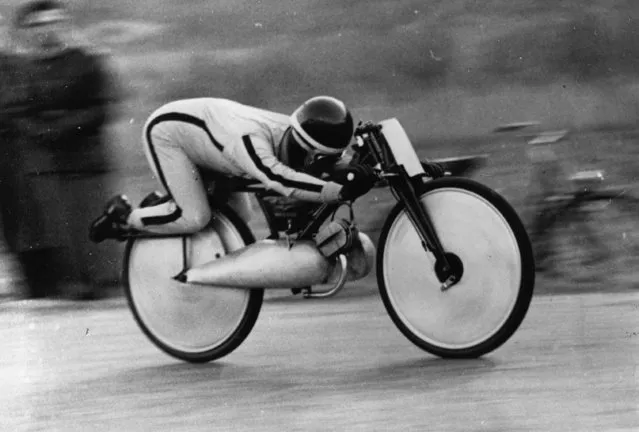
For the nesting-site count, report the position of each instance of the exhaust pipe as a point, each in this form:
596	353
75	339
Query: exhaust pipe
273	264
360	261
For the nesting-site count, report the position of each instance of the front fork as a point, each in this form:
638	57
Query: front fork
447	265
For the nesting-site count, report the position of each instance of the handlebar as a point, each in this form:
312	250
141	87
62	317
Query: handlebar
462	166
366	127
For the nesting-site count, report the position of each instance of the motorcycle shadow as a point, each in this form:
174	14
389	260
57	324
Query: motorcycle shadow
426	373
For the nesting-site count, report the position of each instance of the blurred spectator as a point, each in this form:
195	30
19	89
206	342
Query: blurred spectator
56	97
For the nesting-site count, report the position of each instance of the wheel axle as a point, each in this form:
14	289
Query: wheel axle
452	275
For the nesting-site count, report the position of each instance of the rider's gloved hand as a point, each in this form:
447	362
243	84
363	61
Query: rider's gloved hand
356	180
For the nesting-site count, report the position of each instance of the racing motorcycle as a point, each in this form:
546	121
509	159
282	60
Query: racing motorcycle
454	263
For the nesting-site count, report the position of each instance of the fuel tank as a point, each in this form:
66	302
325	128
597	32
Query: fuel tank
272	264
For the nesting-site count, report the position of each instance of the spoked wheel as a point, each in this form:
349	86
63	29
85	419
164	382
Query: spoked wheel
190	322
595	240
488	246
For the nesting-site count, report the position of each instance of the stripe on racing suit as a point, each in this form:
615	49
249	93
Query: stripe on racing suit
233	140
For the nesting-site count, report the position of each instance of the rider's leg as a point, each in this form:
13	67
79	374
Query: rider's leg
188	210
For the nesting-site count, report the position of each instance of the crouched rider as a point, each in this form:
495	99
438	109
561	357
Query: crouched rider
234	140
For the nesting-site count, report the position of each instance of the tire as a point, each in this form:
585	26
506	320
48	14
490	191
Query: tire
193	323
595	241
485	308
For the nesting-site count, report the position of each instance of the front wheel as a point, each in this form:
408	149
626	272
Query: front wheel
190	322
485	308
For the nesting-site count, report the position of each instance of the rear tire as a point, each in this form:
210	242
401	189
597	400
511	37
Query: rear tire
485	308
193	323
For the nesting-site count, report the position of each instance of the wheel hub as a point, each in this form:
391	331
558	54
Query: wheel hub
452	275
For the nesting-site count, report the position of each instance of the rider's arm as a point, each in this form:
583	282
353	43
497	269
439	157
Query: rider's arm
258	160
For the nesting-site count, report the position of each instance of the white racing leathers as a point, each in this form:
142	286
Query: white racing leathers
183	137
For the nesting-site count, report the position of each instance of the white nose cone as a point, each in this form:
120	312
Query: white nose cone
265	264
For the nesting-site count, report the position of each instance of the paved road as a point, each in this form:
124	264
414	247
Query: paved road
337	364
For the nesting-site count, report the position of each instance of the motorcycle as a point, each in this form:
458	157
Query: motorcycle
454	263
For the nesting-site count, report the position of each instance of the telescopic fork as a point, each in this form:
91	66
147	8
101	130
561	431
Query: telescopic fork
403	187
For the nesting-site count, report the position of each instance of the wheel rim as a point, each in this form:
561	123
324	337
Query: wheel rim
477	307
190	319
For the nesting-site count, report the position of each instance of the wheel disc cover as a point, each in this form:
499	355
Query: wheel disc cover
478	306
191	318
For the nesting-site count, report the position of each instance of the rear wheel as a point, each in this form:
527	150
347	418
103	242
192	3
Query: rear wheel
190	322
484	235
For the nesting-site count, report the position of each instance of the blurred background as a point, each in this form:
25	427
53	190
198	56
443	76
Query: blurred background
450	71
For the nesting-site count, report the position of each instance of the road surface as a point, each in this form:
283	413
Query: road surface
327	365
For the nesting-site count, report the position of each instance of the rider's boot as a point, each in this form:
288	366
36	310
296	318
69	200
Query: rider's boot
112	223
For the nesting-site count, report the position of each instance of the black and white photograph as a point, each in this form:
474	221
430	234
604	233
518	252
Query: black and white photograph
319	215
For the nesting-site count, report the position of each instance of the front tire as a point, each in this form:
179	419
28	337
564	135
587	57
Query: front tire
484	309
193	323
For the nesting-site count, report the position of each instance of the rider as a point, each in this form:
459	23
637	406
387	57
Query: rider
235	140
